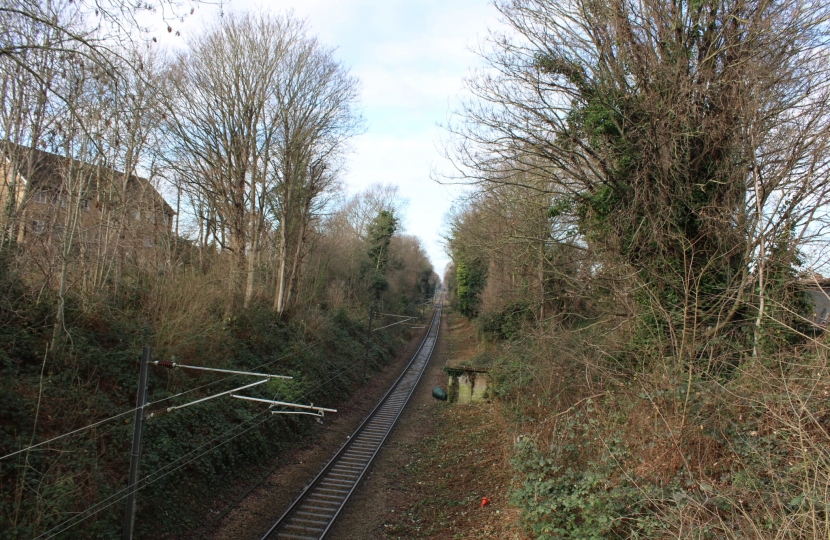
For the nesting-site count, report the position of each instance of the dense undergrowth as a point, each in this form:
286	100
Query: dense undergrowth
607	450
643	243
188	455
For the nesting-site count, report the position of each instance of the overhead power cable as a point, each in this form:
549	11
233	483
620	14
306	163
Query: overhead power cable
217	381
119	415
53	439
393	324
159	474
148	480
175	365
393	315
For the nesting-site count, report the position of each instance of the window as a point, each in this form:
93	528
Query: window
37	226
42	197
136	214
149	241
85	205
58	230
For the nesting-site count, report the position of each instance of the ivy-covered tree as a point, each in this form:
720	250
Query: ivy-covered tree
378	238
686	135
470	280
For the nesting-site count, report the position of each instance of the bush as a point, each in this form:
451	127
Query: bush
563	495
611	449
506	323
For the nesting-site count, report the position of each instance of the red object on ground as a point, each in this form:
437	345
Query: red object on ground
484	501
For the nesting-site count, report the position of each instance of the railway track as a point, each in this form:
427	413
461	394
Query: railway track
312	515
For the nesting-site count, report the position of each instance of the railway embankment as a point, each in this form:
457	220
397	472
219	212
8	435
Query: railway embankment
189	457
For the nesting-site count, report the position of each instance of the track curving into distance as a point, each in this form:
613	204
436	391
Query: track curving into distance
313	513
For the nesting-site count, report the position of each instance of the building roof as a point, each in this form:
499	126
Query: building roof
47	167
813	280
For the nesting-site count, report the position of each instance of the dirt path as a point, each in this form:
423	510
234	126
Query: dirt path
430	477
265	503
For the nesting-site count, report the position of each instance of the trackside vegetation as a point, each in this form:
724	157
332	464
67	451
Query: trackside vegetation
188	455
191	202
641	249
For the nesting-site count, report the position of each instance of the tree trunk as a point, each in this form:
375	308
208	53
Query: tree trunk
759	208
279	300
73	195
254	240
295	265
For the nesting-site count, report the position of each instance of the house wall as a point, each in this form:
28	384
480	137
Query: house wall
133	223
144	225
11	191
821	305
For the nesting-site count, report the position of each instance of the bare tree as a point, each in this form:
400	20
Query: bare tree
259	117
315	111
362	208
222	127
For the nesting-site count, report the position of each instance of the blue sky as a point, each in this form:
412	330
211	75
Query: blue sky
411	58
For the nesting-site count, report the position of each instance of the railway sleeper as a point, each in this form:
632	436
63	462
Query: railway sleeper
377	428
321	503
365	446
299	519
341	492
327	515
331	497
355	459
303	529
329	511
372	435
350	468
343	475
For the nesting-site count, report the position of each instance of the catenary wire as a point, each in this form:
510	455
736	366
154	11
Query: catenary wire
160	473
119	415
152	477
70	433
217	381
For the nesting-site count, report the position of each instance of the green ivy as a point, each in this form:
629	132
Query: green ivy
471	277
563	497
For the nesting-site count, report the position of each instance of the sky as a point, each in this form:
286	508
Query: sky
411	59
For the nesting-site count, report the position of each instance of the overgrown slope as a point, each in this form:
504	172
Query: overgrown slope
609	450
188	454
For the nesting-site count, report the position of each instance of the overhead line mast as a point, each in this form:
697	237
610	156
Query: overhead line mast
134	483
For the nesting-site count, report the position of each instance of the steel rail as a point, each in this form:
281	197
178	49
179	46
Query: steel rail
312	515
